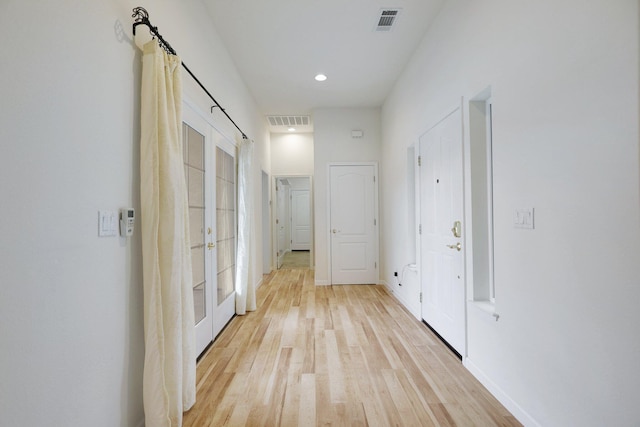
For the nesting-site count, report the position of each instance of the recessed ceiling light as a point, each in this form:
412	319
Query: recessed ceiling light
321	77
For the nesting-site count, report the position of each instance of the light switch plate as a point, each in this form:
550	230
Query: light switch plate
107	223
524	218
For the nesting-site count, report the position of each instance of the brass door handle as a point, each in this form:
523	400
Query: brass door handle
457	246
211	245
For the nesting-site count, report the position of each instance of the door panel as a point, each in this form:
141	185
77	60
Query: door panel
195	149
226	238
441	200
300	220
353	224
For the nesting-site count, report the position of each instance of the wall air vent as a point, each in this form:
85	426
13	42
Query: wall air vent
289	120
386	19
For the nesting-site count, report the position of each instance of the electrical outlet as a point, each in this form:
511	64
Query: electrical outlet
395	274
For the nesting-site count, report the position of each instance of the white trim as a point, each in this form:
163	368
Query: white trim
511	405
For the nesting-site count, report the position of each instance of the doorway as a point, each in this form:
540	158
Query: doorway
292	219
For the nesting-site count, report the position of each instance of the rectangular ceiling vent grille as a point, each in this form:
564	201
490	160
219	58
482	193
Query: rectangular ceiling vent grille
289	120
386	19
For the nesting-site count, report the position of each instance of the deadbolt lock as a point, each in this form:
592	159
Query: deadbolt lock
457	229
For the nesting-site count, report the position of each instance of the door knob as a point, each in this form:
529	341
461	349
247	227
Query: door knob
457	246
334	231
211	245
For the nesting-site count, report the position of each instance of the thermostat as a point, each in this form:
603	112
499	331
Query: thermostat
127	221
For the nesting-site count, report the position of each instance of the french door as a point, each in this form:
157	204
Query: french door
210	177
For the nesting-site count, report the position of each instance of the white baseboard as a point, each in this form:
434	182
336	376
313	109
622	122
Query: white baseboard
322	282
403	301
513	407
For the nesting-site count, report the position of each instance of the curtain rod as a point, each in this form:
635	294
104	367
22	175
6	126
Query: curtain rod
141	17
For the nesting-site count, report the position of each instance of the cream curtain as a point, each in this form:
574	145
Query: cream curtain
169	331
245	287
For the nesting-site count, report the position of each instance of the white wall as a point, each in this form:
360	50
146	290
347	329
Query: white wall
292	154
564	78
71	305
333	143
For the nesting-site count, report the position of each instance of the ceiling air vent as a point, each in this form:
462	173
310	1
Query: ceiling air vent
289	120
386	19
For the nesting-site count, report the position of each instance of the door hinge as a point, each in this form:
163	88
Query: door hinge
419	228
420	296
374	178
375	265
374	221
419	160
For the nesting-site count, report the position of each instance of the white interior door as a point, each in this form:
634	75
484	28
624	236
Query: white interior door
441	197
353	224
300	220
197	167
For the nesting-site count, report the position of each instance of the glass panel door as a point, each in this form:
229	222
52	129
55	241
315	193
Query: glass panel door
226	236
201	232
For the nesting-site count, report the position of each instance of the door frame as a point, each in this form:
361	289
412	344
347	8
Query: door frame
274	213
376	211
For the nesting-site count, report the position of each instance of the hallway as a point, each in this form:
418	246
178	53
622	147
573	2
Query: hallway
346	355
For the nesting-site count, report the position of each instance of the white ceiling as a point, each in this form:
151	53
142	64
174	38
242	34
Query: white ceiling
280	45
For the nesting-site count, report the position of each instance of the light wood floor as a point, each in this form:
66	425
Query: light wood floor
296	259
334	355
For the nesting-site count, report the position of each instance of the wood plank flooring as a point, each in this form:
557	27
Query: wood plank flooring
334	356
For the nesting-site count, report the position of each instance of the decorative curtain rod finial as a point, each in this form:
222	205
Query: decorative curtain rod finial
140	16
